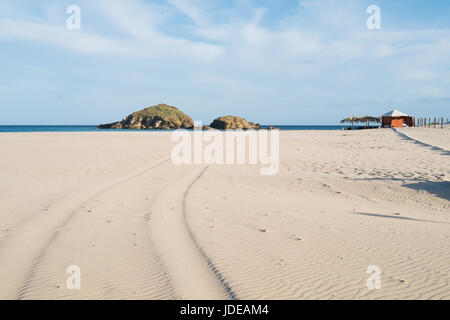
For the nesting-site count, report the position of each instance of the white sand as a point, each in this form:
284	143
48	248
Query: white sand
140	227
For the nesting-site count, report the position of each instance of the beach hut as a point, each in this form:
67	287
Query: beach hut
396	119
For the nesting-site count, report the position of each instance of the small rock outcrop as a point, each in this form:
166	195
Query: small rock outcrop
233	123
161	116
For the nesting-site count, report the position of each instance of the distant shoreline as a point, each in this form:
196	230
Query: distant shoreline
92	128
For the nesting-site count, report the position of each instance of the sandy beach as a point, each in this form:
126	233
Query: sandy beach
140	227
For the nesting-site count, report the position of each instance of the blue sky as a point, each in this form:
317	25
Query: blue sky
271	61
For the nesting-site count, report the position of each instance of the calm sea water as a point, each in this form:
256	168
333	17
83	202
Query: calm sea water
92	128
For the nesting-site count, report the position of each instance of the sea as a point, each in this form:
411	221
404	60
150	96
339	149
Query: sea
90	128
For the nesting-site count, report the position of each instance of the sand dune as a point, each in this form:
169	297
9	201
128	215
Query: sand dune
140	227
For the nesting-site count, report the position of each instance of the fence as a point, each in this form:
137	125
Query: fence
426	122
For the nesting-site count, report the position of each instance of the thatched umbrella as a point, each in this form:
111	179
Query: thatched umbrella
368	120
351	120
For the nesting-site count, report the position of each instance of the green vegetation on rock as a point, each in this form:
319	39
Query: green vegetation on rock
161	116
233	123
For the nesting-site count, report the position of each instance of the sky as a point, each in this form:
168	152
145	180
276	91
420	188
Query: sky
271	61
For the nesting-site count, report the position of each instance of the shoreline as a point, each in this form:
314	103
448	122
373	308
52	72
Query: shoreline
87	128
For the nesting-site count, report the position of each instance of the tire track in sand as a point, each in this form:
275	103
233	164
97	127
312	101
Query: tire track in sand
111	244
23	250
160	269
193	273
226	286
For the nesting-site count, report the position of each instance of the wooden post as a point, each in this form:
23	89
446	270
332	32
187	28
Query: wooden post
442	123
429	122
434	125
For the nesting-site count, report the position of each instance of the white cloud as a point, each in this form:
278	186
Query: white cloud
323	37
189	8
253	35
135	17
414	74
59	35
296	43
